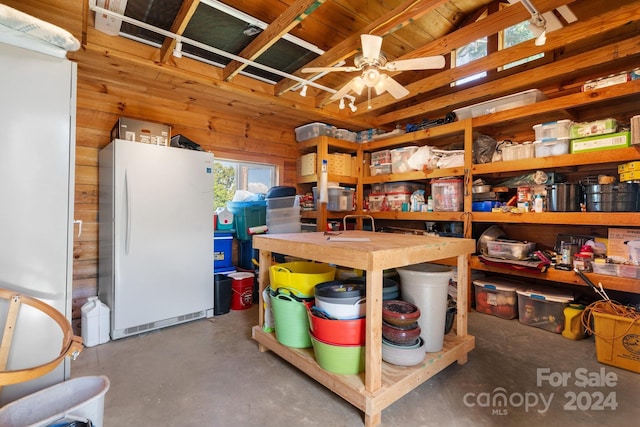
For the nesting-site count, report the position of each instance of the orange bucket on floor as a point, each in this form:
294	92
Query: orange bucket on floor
241	290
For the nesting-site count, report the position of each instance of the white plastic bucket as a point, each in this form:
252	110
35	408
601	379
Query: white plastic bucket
95	326
426	286
81	398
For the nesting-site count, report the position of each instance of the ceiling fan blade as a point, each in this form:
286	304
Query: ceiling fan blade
371	46
393	87
343	91
328	69
425	63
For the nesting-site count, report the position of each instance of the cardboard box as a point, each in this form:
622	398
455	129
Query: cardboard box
601	142
141	131
617	248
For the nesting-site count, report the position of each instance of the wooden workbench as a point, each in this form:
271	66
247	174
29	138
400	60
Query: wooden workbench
381	384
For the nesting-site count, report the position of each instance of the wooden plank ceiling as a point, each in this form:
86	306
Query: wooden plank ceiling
603	40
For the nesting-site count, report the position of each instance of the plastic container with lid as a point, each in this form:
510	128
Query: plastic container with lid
497	296
447	194
551	131
400	157
543	308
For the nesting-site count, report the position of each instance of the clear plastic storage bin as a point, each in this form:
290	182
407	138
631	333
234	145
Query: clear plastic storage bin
340	199
500	104
551	148
497	296
542	308
517	151
377	202
447	195
313	130
510	249
552	130
380	157
399	158
396	200
382	169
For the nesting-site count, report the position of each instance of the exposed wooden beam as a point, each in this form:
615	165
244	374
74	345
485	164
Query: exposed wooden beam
187	9
291	17
397	18
521	81
122	57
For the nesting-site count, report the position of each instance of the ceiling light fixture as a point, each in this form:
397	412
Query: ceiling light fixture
177	51
303	91
537	23
353	106
341	105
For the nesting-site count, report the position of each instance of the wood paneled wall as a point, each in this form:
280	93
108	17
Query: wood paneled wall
97	111
101	102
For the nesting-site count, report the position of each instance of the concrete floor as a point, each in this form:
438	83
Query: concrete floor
210	373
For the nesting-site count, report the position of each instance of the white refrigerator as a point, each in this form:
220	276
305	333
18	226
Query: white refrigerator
37	119
156	235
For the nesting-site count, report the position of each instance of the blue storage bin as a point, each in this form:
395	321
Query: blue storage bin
485	206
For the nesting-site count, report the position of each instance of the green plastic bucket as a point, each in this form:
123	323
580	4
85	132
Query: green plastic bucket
290	317
339	359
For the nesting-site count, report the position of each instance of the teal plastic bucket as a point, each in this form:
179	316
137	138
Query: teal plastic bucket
290	317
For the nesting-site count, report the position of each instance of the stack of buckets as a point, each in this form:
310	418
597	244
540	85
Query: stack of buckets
426	286
291	294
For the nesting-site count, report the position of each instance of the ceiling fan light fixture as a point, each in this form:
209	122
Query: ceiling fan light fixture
352	106
357	85
371	77
381	86
303	91
341	105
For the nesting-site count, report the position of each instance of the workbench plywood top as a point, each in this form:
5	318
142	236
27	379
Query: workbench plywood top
371	251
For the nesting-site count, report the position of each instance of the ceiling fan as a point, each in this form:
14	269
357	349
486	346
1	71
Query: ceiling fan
371	61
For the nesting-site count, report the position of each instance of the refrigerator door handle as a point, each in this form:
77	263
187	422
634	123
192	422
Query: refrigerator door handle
127	236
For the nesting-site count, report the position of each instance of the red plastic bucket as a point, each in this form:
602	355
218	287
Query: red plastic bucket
241	290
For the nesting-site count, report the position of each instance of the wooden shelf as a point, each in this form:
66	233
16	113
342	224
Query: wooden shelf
381	384
618	219
577	164
396	380
344	179
418	216
448	129
414	175
620	155
569	277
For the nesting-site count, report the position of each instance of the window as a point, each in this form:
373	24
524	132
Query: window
468	53
515	35
511	36
231	175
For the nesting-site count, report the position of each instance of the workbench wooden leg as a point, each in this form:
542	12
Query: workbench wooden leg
372	420
463	359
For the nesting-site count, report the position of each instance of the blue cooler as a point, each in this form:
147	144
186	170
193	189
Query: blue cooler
222	244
